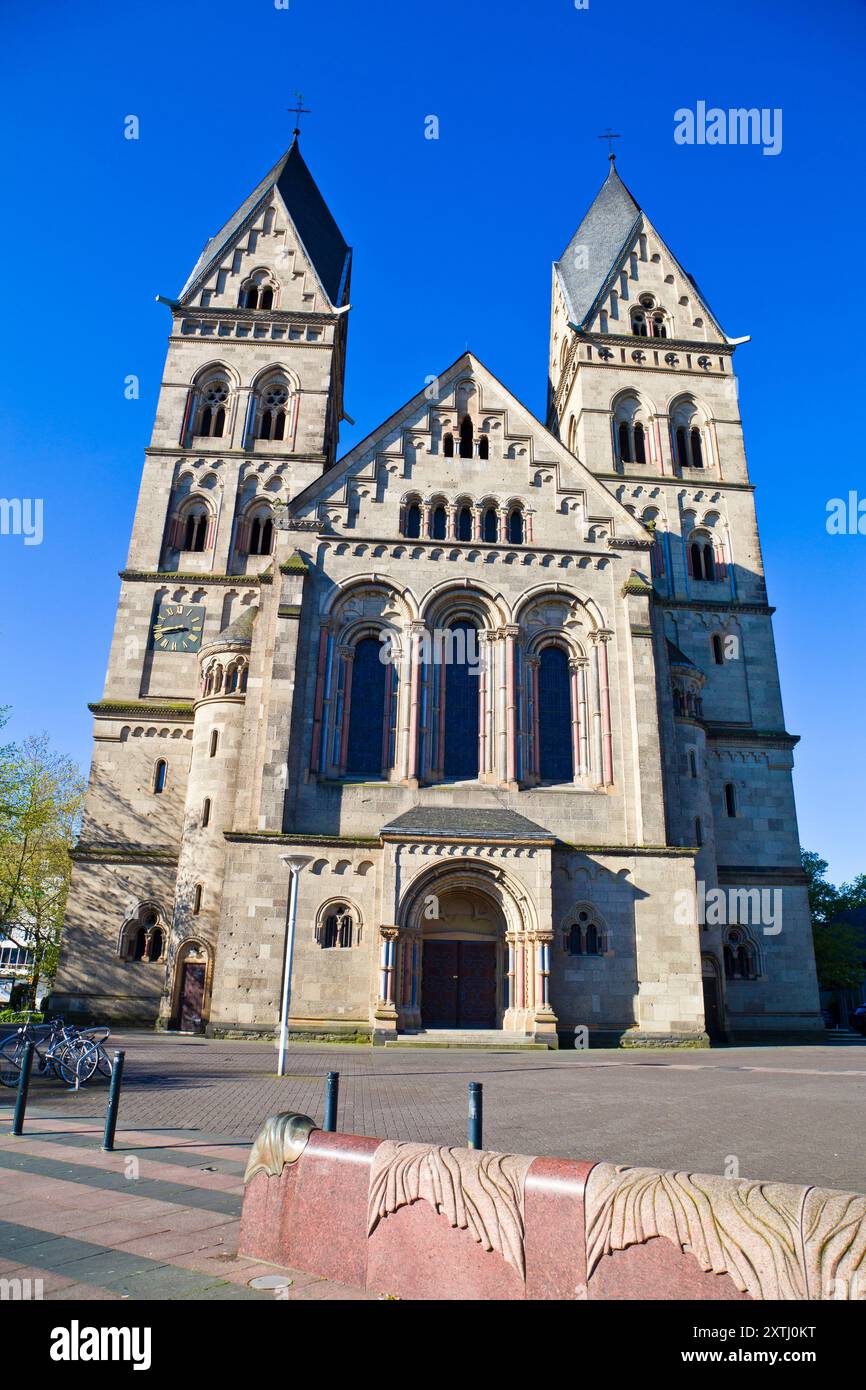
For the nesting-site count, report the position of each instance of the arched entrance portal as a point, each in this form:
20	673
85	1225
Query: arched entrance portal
462	961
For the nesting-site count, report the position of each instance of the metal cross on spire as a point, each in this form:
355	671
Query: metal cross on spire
299	111
610	135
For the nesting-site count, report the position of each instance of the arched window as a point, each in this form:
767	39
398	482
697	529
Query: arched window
139	945
195	528
688	435
584	936
368	713
159	776
483	446
571	437
699	832
718	650
205	813
639	443
702	563
730	799
273	407
461	681
448	445
412	521
261	534
214	743
157	944
464	524
213	399
740	957
196	899
638	323
490	525
439	523
257	292
336	930
515	526
658	326
466	437
555	760
631	430
693	764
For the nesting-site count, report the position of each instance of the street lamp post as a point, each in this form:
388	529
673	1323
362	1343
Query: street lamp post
295	862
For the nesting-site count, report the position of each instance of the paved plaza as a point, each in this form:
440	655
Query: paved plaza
159	1217
783	1113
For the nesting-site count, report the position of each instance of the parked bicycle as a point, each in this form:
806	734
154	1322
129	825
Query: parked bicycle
60	1049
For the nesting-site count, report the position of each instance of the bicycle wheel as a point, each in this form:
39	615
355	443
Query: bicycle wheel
77	1062
11	1056
104	1061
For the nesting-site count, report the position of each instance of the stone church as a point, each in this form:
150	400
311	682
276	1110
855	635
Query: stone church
476	727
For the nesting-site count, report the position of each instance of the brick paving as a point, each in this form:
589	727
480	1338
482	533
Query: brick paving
158	1218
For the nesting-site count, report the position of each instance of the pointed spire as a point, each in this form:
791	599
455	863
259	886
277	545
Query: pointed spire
317	231
597	244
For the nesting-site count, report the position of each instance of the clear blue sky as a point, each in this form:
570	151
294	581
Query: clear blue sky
453	245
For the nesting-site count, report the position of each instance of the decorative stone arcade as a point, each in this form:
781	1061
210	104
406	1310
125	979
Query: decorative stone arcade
469	946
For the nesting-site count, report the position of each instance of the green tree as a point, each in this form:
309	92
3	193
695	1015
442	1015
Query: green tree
41	795
839	946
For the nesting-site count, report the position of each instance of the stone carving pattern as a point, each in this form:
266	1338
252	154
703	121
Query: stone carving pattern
479	1191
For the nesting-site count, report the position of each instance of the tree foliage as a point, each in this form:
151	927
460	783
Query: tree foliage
41	795
840	951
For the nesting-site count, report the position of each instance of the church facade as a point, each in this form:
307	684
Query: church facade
483	717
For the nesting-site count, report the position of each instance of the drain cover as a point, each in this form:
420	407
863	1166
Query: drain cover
271	1281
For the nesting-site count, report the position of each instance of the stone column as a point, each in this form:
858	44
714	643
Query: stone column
476	522
604	690
535	731
416	640
597	772
582	717
315	754
511	633
347	656
501	769
385	1013
574	669
544	1019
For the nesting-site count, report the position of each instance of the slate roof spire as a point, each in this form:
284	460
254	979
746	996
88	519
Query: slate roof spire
585	264
318	232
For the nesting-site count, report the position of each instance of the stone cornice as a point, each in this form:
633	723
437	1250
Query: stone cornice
180	577
278	837
180	710
415	837
776	738
761	874
651	851
487	547
123	854
283	316
656	344
670	479
731	605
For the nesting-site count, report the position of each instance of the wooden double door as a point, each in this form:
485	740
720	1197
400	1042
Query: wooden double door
459	984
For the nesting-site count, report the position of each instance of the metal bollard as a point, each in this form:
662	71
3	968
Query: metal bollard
113	1102
476	1113
23	1088
332	1092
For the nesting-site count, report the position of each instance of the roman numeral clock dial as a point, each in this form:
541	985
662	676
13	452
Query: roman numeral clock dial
178	627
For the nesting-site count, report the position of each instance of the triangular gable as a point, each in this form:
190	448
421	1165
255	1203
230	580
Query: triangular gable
317	233
599	251
521	420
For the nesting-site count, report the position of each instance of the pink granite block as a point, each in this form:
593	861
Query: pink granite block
555	1224
415	1253
328	1230
658	1269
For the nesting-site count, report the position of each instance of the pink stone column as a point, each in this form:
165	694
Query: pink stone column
520	972
607	741
583	722
415	638
536	735
319	700
529	516
510	703
476	524
575	719
483	650
346	655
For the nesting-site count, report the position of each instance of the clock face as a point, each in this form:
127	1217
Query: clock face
178	627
